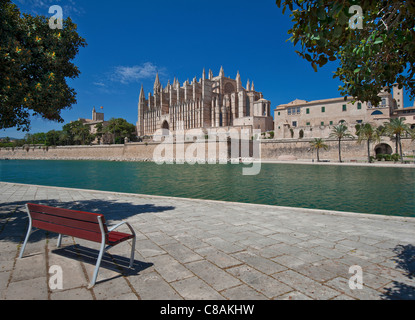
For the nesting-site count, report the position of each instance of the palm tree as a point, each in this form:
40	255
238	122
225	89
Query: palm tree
318	144
367	132
412	134
340	132
396	127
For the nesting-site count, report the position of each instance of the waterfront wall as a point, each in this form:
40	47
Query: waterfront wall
271	150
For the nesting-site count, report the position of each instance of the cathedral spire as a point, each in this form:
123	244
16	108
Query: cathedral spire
157	84
252	86
238	82
248	86
204	74
142	95
221	73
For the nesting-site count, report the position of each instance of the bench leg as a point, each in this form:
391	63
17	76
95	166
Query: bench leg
29	232
132	253
59	241
95	276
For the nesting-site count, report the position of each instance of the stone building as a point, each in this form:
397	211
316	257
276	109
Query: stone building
315	119
210	102
97	118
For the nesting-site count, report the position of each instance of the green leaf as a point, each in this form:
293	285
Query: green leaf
338	29
378	40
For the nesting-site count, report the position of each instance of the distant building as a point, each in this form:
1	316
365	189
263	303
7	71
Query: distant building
97	118
400	111
315	119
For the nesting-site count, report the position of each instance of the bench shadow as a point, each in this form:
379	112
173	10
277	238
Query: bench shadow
405	261
116	263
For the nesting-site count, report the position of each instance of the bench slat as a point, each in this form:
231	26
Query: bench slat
68	222
115	237
78	233
79	215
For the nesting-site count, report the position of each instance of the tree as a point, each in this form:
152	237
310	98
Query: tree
396	127
34	64
99	131
411	133
318	144
52	138
77	133
120	129
366	131
373	53
340	132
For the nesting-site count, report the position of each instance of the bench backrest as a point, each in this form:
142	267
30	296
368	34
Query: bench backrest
84	225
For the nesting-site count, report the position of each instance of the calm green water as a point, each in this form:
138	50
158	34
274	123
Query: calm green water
387	191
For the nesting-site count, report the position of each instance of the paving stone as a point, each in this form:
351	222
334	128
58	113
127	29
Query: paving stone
219	258
111	288
366	293
264	265
243	292
195	289
30	289
151	286
295	295
212	275
181	253
29	268
73	294
266	285
306	285
170	269
148	248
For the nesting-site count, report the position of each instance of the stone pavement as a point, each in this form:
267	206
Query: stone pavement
197	250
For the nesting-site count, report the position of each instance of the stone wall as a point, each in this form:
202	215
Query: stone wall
271	150
139	152
350	149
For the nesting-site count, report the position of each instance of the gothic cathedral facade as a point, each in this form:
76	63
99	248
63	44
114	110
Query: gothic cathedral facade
211	102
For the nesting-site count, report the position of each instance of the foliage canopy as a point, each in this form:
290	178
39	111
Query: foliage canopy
372	58
35	61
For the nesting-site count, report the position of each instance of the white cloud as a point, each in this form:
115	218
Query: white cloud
126	74
100	84
41	7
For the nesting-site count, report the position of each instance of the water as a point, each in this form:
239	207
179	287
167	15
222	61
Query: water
374	190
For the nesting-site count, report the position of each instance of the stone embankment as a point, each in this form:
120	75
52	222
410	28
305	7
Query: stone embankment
270	150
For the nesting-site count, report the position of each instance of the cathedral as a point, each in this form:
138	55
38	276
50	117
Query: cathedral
211	102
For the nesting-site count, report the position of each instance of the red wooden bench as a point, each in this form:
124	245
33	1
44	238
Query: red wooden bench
78	224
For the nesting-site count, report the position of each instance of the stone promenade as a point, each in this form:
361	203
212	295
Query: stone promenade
197	250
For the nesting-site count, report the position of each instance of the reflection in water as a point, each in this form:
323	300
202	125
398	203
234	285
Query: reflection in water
389	191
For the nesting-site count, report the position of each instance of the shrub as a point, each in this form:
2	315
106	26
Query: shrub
379	157
395	157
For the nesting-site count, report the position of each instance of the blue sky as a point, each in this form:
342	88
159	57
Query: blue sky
129	41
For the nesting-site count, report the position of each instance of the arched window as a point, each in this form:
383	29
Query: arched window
229	88
377	112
